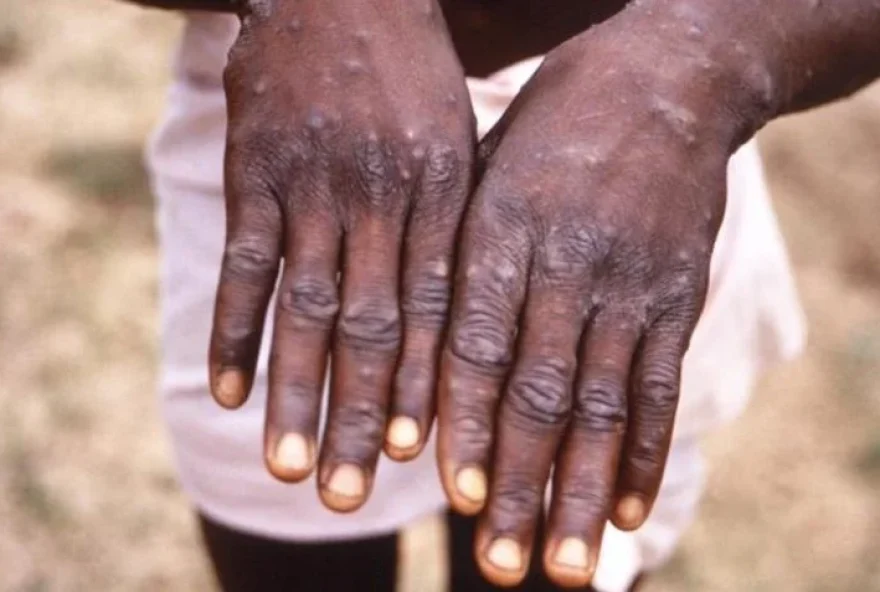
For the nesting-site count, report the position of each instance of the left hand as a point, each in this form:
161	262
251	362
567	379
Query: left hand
583	271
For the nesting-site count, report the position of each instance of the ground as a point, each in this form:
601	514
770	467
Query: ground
88	499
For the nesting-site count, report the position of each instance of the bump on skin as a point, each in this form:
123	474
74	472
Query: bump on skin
354	66
681	120
505	270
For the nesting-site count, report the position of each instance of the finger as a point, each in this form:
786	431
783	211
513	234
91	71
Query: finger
367	337
586	469
654	399
489	294
247	279
531	420
305	313
428	260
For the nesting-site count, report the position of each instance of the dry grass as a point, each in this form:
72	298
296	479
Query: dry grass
87	497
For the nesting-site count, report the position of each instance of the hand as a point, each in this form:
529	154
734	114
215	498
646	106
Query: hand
582	273
349	156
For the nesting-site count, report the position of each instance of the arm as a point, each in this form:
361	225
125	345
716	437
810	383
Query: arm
770	58
585	251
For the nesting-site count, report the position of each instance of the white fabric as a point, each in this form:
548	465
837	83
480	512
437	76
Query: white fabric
752	320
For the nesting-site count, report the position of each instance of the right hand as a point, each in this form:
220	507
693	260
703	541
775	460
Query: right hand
349	157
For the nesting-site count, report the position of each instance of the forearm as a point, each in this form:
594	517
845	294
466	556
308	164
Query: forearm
210	5
770	57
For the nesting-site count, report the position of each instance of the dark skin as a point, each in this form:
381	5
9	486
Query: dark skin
583	255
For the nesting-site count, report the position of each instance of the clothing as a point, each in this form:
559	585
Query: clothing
752	319
464	575
248	563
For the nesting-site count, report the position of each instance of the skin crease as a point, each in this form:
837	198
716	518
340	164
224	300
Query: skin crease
365	175
583	257
603	193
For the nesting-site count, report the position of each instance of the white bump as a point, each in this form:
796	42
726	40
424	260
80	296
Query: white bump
505	269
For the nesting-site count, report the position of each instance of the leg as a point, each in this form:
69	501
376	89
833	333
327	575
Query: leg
248	563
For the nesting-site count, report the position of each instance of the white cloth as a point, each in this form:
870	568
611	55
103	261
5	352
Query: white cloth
752	319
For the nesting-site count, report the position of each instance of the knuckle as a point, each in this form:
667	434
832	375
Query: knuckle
542	394
442	168
311	301
682	293
293	399
601	404
413	382
427	300
257	162
248	259
658	387
581	498
357	426
517	495
472	429
370	326
375	172
644	455
481	340
299	389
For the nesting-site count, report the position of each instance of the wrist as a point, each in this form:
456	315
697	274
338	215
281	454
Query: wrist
760	58
684	71
703	58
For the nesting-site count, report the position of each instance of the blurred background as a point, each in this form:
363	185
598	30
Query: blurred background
88	499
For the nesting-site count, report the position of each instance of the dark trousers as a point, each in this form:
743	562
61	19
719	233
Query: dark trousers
247	563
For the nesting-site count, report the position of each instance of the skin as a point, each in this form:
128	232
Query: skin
583	257
366	175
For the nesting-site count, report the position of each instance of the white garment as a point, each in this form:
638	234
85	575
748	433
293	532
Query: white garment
752	319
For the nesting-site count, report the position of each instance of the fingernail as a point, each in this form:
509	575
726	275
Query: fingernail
230	388
505	553
631	511
348	481
572	552
294	453
471	483
403	433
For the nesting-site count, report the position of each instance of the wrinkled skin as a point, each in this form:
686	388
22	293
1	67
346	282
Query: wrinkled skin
582	263
341	159
583	270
